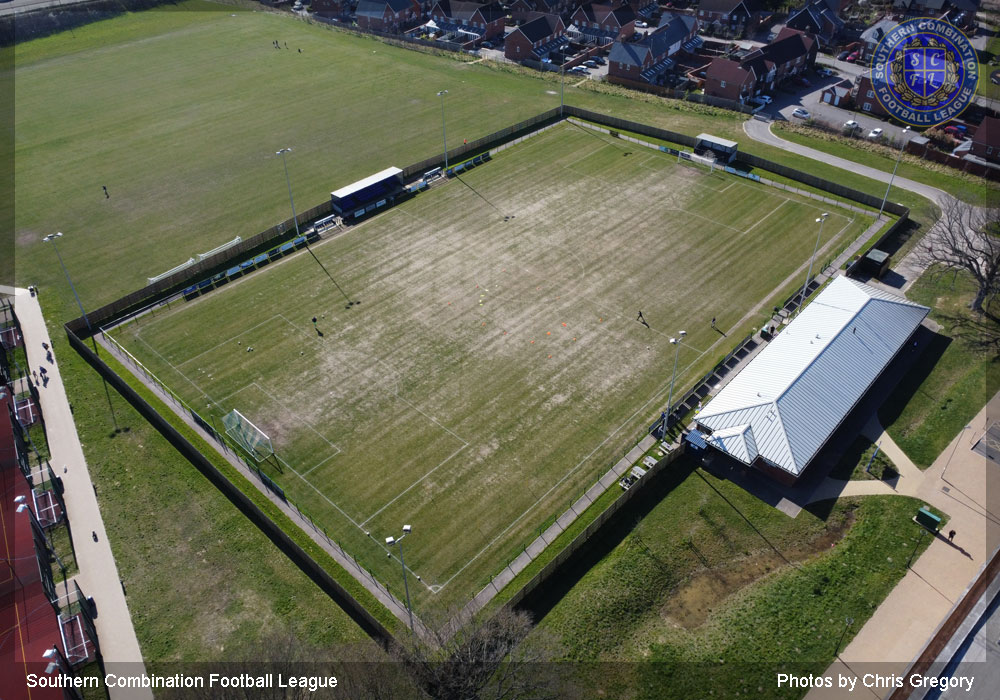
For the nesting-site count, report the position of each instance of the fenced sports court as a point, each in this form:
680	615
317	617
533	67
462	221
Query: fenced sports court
494	366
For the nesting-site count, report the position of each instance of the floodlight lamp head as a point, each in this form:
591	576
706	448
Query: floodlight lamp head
390	540
23	507
407	529
442	93
53	236
673	341
50	653
19	499
682	333
50	669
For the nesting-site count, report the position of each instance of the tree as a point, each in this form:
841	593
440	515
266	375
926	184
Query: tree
966	237
462	657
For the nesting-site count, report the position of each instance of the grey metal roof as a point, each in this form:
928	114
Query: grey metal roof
790	398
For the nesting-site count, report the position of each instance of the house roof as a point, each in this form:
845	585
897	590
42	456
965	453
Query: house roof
988	132
727	6
675	27
875	33
812	16
541	27
789	399
458	9
788	48
376	8
727	70
631	54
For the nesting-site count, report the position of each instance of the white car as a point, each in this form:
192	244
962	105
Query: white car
852	125
875	133
764	99
641	25
800	113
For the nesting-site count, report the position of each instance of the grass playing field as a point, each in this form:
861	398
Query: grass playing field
493	368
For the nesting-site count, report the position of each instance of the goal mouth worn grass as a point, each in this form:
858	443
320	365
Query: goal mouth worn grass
495	365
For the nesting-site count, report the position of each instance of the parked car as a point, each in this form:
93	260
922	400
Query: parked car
641	25
852	58
953	130
765	99
826	72
852	125
800	113
487	44
590	64
875	133
599	61
842	55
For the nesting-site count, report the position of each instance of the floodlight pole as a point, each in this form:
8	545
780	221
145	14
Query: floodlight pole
295	218
821	220
288	182
893	176
51	238
562	87
406	585
444	133
676	342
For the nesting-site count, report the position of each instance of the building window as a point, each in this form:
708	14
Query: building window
870	94
867	107
722	83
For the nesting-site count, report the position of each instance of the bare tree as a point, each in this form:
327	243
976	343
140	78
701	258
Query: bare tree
463	657
966	237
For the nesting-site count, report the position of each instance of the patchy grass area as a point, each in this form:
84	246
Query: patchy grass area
726	591
203	583
860	462
952	380
954	182
504	353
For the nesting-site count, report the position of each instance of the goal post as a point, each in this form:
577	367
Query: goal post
247	435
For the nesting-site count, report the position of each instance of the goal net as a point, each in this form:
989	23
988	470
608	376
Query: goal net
247	435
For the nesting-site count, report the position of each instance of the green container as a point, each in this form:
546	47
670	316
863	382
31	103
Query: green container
928	520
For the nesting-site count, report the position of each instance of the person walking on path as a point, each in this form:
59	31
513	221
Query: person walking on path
951	536
106	195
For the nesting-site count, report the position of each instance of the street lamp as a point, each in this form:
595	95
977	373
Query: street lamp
407	529
288	182
821	220
893	176
562	87
444	133
51	238
676	342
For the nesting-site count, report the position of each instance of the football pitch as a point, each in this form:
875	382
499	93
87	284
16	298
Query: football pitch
494	367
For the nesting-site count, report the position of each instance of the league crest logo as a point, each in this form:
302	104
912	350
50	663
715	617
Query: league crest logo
924	72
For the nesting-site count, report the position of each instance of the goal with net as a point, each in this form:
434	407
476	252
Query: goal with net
247	435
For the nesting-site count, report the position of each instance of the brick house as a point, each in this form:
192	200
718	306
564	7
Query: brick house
728	79
817	18
485	21
864	97
536	38
735	15
986	141
330	8
644	60
604	23
387	15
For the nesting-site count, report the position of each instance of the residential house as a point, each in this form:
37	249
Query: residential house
986	141
387	15
727	78
603	23
645	60
792	52
738	16
678	30
536	38
817	18
330	8
478	22
864	97
935	8
872	37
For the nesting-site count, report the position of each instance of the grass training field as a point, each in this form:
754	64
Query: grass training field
494	367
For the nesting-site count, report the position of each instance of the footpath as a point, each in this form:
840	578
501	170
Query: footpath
98	576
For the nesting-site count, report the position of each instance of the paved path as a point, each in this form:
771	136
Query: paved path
956	484
98	576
